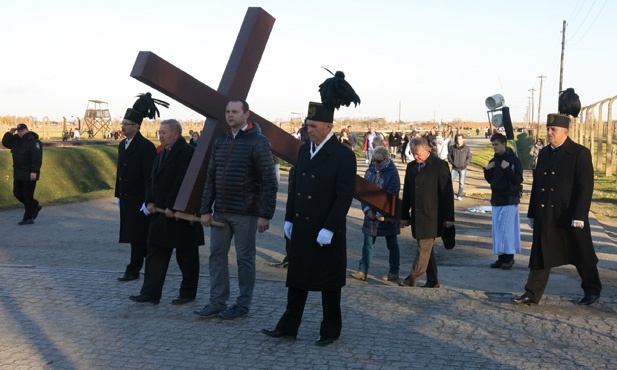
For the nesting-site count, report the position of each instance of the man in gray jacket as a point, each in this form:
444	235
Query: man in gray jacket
459	158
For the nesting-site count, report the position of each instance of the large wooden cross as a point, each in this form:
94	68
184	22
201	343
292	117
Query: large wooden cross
236	82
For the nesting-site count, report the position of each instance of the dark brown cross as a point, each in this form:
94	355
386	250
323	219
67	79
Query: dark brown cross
236	82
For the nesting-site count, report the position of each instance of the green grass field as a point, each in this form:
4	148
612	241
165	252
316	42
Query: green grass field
69	174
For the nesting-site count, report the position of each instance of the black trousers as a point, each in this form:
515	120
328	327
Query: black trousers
331	323
537	280
157	263
24	192
138	253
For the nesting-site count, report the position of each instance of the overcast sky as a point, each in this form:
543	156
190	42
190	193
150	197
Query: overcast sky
434	59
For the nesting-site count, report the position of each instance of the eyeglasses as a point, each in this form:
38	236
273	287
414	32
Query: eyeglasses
379	161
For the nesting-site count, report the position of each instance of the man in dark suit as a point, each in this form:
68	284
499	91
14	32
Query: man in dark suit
558	213
320	194
428	206
166	232
135	157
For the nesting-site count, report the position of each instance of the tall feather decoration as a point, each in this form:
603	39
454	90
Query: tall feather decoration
335	91
146	105
569	103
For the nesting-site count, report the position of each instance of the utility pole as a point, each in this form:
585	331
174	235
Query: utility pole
529	111
532	108
541	77
563	48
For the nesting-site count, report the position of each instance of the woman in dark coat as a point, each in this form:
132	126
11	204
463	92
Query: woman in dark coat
384	174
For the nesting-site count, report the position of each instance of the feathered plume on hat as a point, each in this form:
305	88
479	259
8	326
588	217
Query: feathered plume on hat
569	103
334	91
145	106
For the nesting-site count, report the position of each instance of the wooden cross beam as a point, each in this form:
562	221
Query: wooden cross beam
241	67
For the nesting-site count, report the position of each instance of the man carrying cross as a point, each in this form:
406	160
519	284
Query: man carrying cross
240	189
320	194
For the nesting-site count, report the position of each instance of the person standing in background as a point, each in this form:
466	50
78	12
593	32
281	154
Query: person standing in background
27	152
505	174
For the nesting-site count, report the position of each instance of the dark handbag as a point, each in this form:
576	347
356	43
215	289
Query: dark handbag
448	237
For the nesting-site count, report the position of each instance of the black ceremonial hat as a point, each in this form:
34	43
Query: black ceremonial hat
145	106
559	120
334	91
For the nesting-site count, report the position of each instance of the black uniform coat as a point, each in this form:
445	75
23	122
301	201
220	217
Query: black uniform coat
163	187
561	192
27	154
428	198
320	194
134	169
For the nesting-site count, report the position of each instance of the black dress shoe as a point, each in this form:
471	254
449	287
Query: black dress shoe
26	222
588	299
430	285
524	300
35	214
144	299
179	301
277	334
128	277
324	341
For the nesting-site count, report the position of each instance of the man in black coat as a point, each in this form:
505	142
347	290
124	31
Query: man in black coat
428	206
320	193
559	214
135	157
166	232
27	154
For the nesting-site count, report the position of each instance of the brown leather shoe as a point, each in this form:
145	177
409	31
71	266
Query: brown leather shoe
391	277
359	275
407	283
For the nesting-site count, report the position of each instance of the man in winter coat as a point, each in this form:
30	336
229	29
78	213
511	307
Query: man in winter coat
27	154
559	214
505	174
135	157
428	206
320	194
166	232
240	192
459	157
383	173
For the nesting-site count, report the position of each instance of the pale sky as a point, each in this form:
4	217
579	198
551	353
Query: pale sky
439	59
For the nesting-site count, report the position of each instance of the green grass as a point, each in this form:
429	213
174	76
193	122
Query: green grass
68	175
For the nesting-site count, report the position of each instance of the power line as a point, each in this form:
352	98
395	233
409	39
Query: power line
591	26
584	19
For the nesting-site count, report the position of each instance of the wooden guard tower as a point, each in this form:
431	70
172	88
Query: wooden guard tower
96	119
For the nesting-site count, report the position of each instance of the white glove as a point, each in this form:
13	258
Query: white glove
287	229
324	237
578	224
530	222
144	209
118	202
